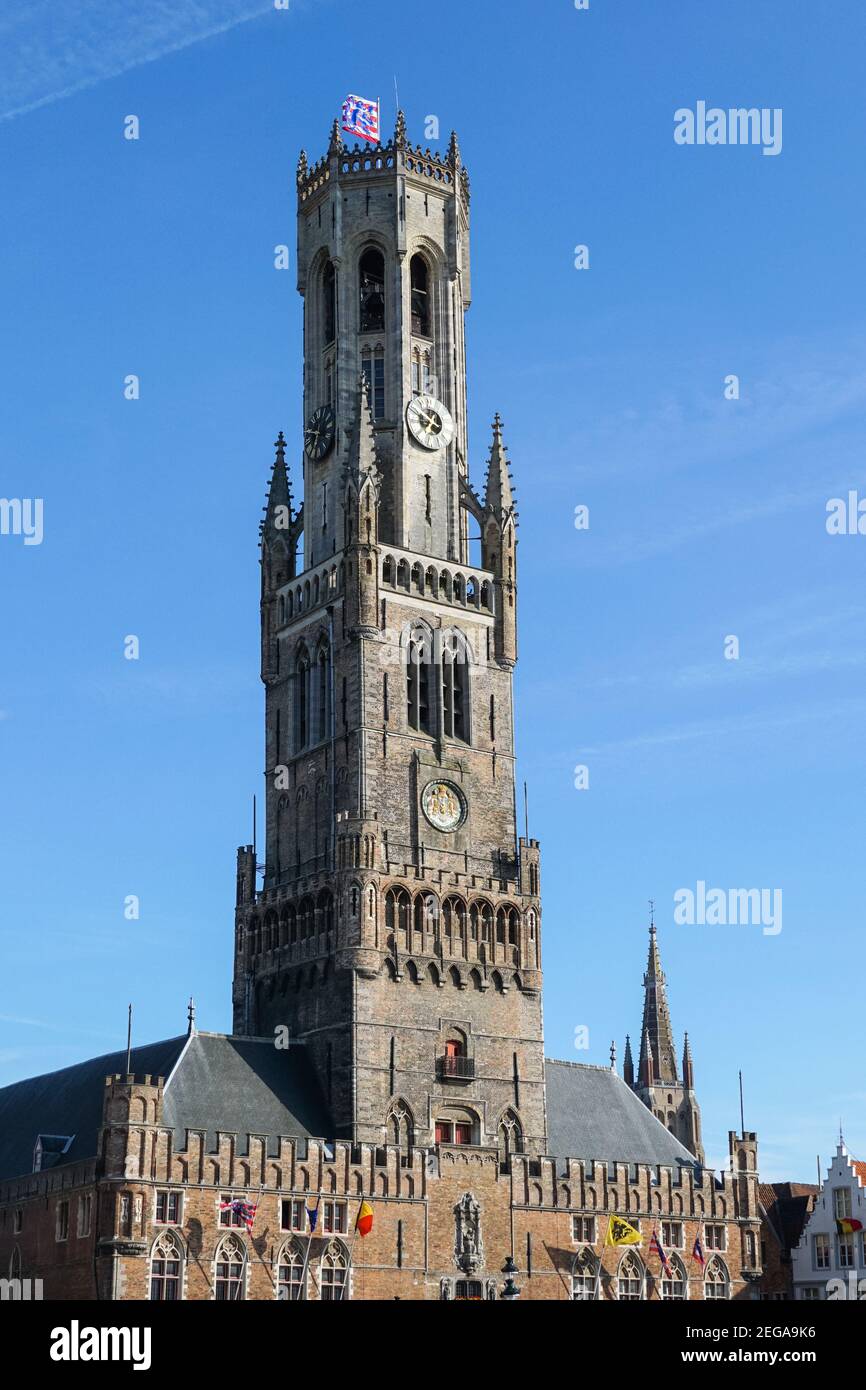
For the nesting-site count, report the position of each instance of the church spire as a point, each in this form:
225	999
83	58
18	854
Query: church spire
688	1065
656	1016
278	512
628	1063
647	1066
400	130
499	546
499	491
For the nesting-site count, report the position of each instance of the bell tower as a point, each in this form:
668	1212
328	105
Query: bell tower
383	266
397	933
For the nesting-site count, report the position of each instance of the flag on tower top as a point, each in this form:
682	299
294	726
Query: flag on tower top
361	117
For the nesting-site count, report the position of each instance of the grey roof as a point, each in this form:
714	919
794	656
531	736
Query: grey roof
240	1085
593	1114
69	1102
245	1086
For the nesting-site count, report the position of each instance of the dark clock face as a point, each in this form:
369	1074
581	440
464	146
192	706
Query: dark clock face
319	434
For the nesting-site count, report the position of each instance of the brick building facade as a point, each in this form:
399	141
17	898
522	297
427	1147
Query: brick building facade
387	1036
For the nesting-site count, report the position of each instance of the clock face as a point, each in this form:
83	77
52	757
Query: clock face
319	434
430	422
444	805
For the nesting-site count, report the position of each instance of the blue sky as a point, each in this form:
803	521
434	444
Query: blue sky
707	516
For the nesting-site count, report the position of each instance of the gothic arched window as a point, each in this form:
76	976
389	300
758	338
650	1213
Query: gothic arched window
371	291
165	1269
329	303
629	1282
509	1137
716	1281
455	687
323	693
398	911
420	280
290	1269
419	660
584	1276
302	700
333	1273
675	1284
400	1129
229	1271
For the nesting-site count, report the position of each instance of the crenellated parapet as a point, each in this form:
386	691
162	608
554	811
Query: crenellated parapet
397	156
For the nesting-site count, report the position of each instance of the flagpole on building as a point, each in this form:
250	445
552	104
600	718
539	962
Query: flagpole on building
242	1287
306	1269
600	1258
351	1252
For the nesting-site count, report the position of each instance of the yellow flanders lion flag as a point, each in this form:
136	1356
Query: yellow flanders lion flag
620	1232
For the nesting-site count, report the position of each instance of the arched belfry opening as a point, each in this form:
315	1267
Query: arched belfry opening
371	291
329	303
419	285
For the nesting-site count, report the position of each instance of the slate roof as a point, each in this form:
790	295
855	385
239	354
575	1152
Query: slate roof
593	1114
69	1102
245	1086
241	1085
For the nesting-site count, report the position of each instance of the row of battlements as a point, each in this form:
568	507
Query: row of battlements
345	1168
396	155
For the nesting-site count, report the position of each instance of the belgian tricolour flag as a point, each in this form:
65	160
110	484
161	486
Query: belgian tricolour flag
364	1224
846	1225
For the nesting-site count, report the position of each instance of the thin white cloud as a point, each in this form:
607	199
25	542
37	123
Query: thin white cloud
51	51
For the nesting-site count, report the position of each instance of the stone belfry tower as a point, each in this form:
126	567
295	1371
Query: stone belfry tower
397	933
671	1097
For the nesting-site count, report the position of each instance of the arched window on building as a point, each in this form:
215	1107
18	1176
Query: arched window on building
630	1279
166	1261
455	687
290	1270
371	291
329	303
717	1284
420	292
333	1273
399	1127
584	1276
509	1137
419	662
302	700
323	693
675	1285
398	915
229	1271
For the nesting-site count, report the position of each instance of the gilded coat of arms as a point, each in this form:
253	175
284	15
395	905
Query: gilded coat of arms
443	805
